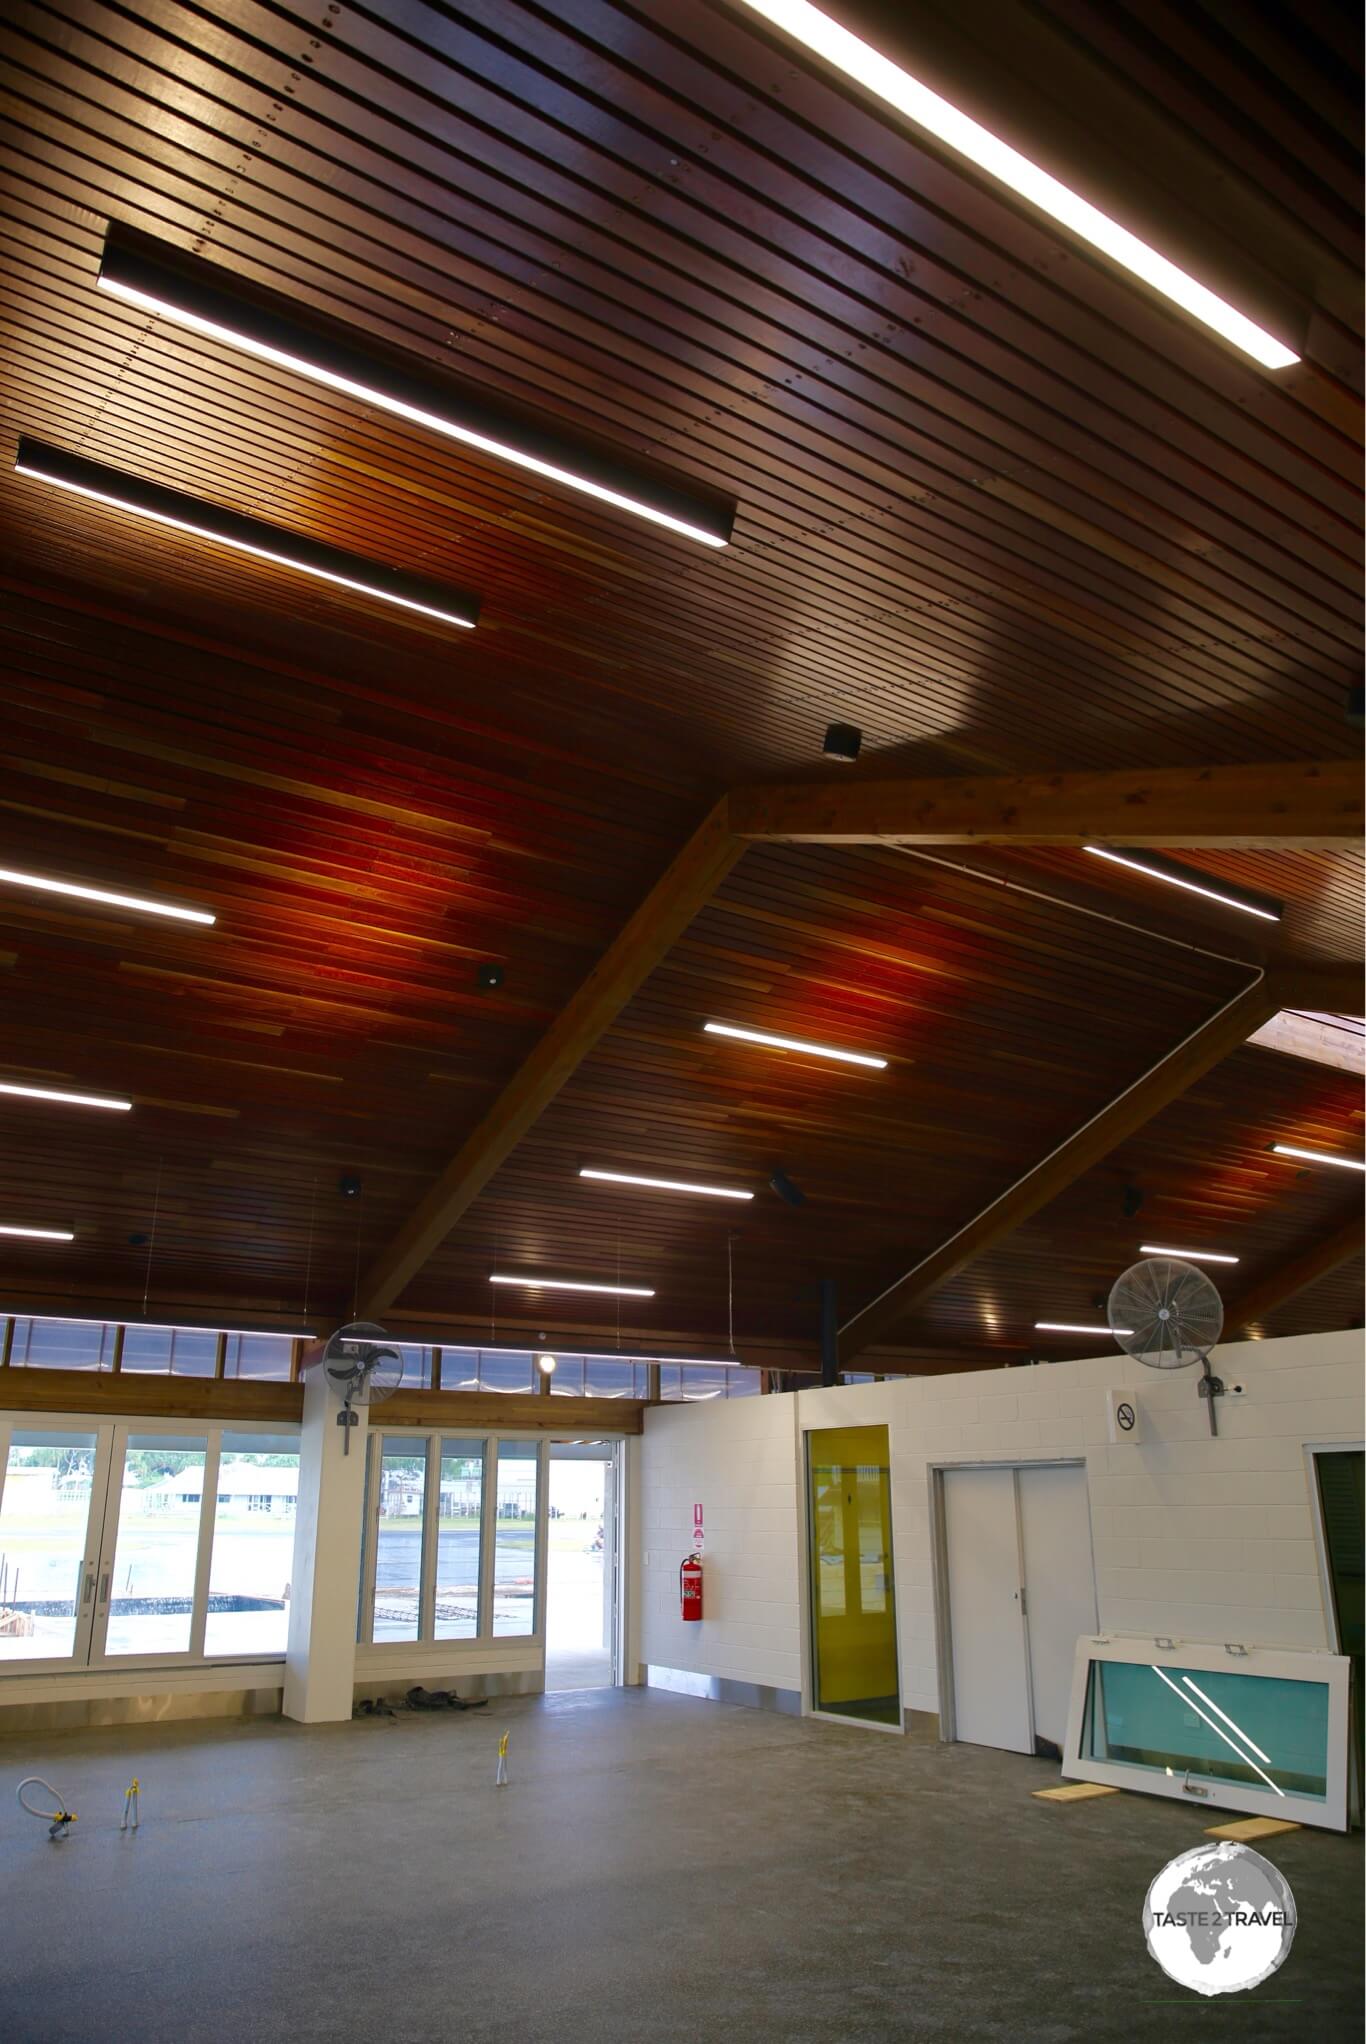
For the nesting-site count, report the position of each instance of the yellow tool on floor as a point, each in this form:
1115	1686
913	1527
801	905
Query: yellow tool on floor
130	1807
501	1773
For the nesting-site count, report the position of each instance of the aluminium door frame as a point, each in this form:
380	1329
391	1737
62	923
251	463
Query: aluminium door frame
810	1659
78	1661
939	1570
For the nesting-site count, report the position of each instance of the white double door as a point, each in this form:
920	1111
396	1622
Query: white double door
1021	1592
105	1544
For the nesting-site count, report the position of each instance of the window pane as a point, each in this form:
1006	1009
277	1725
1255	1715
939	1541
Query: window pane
253	1545
514	1547
257	1355
64	1345
146	1348
152	1591
193	1352
504	1372
567	1378
459	1369
742	1383
458	1539
701	1382
1262	1732
44	1514
398	1542
612	1380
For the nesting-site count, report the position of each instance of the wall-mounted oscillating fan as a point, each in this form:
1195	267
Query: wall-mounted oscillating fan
363	1365
1167	1314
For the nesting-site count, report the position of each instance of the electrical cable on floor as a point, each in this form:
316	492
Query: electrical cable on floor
58	1821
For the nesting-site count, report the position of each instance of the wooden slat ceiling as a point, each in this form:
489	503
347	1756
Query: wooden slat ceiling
996	506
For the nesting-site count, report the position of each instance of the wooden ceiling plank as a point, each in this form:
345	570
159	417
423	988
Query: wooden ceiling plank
1339	1246
686	886
1311	806
1227	1030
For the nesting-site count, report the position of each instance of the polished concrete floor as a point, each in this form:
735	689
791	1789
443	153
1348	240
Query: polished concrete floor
659	1868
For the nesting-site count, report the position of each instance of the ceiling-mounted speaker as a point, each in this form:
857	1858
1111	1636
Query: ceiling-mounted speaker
785	1189
488	975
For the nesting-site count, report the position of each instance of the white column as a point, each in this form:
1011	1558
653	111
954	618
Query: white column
320	1660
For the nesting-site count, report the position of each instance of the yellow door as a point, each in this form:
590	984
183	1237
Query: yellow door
853	1611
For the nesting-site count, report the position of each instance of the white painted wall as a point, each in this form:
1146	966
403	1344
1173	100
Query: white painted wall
1203	1539
735	1457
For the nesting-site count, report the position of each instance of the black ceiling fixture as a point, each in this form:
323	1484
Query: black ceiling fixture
197	516
1133	1200
158	277
785	1189
348	1185
842	741
488	974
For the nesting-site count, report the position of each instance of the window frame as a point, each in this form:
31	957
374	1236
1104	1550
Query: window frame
484	1640
1329	1669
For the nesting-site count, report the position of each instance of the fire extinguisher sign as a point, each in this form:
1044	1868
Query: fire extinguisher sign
697	1528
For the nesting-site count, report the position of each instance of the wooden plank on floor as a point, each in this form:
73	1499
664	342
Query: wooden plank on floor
1252	1827
1074	1792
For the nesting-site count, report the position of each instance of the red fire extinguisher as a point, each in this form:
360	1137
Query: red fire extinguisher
690	1586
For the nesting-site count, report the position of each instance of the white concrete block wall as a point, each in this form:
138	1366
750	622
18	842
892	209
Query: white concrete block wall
1203	1539
735	1459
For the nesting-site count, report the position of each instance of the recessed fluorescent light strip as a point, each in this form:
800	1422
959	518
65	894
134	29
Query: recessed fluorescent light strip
65	1099
140	902
1074	1327
1187	1255
244	535
846	1057
1318	1157
664	1184
153	1326
206	298
41	1234
548	1284
899	89
1154	869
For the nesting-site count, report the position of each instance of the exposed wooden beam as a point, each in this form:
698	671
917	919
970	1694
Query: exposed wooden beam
689	882
151	1395
1316	806
1296	1275
1165	1081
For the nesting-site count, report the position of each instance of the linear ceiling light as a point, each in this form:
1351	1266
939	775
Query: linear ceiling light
245	535
154	1326
41	1234
66	1099
1075	1327
948	124
162	279
847	1057
547	1284
1154	868
1187	1255
140	902
664	1184
1318	1157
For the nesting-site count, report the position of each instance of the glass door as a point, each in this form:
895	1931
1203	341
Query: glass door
853	1612
52	1490
154	1566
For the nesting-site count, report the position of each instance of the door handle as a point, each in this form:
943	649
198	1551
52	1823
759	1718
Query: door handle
104	1586
89	1589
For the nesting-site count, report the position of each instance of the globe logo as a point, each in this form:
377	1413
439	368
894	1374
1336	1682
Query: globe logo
1219	1919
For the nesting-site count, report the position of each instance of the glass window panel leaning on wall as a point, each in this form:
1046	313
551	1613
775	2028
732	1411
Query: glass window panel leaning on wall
1259	1729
